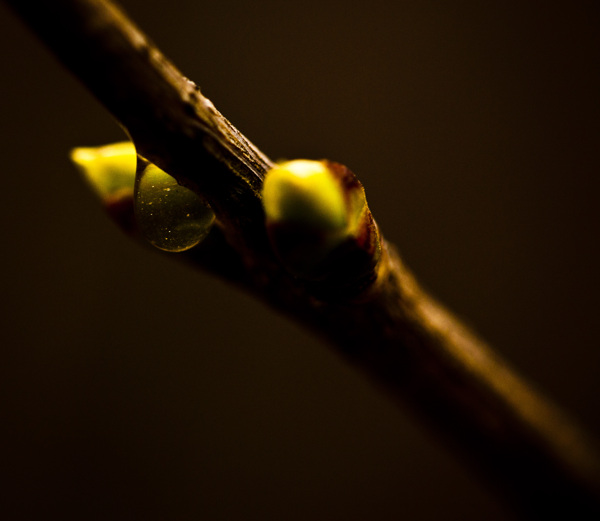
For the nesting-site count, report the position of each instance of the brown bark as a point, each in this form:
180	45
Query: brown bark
404	340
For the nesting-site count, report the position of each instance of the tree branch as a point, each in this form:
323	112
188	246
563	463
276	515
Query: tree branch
391	329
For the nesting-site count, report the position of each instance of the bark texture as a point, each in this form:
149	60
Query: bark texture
390	329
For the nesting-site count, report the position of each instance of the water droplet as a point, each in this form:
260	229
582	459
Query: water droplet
173	221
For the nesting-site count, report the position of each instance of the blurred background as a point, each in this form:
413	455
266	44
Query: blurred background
134	388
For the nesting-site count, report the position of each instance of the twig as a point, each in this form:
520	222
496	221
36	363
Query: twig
407	342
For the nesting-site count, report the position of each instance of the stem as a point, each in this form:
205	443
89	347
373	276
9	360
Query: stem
432	363
169	120
409	344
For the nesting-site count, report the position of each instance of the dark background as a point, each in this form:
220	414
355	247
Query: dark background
134	388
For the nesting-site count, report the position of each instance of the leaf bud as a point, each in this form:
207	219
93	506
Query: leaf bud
318	221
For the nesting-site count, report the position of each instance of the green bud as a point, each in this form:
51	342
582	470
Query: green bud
317	217
305	193
109	169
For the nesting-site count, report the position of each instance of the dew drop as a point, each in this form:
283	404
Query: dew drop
172	217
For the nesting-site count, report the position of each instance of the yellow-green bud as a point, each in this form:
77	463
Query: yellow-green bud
108	169
316	213
306	193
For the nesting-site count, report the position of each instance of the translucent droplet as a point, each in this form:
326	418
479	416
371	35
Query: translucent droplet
172	217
